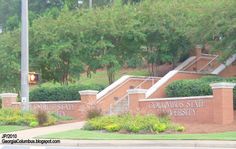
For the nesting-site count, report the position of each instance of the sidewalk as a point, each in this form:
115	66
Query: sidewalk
34	132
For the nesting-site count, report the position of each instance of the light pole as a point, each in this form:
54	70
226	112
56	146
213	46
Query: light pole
90	3
0	29
24	56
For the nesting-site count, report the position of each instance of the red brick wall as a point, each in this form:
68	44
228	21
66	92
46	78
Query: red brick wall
229	71
189	110
68	108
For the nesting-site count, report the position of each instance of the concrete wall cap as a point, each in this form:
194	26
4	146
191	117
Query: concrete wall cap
8	95
137	91
88	92
222	85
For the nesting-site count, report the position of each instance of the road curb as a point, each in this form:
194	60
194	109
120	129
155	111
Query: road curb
141	143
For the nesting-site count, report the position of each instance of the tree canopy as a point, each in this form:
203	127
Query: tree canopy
66	40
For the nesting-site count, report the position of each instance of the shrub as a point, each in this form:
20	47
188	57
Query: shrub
50	121
34	124
42	117
183	88
57	92
160	127
94	112
113	127
179	128
198	87
16	117
128	123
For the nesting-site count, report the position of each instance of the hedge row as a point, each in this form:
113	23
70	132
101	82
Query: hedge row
198	87
60	92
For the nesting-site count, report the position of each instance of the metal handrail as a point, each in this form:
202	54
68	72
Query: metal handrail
212	55
123	97
192	63
100	99
208	63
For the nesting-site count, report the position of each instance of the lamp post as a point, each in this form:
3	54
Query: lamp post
24	56
0	29
90	3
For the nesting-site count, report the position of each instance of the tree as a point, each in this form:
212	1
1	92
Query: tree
110	36
10	61
219	30
54	47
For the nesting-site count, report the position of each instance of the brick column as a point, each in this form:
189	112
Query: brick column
8	99
198	51
88	101
134	96
223	112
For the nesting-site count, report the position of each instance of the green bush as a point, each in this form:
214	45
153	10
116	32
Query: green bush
16	117
134	124
179	128
198	87
113	127
160	127
34	124
57	92
183	88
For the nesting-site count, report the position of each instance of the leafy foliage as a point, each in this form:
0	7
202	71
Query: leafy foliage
57	92
22	118
199	87
134	124
66	40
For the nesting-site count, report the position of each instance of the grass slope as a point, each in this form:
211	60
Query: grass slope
95	135
10	128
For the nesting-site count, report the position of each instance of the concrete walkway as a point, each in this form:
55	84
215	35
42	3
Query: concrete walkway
34	132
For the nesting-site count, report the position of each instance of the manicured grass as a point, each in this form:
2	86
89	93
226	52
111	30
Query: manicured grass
100	77
95	135
11	128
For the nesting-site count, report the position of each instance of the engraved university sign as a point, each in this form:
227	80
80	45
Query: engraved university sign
177	107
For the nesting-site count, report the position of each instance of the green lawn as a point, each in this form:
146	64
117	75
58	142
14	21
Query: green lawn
95	135
9	128
100	77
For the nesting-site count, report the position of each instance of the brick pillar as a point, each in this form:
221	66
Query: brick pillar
198	51
88	101
8	99
223	112
134	96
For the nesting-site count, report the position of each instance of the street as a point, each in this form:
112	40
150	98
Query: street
110	147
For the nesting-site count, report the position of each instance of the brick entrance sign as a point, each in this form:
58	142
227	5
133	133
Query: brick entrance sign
75	109
216	108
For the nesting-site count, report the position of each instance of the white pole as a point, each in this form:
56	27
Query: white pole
90	3
24	56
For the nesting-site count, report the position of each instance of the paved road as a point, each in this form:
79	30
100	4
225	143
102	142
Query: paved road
56	147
